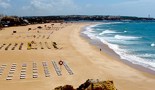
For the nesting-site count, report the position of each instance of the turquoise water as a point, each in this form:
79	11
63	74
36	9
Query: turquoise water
133	41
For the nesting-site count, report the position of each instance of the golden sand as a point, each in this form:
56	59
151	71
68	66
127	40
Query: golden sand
24	69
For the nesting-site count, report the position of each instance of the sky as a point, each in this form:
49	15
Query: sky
140	8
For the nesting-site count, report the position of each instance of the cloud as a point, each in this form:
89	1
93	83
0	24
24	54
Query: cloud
5	4
44	7
132	8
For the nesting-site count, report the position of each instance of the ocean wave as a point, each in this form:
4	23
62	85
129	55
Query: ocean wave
107	32
113	22
120	37
146	55
89	32
137	60
96	25
110	45
153	45
98	29
125	31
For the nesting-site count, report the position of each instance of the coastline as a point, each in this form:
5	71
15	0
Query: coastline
85	60
124	69
105	49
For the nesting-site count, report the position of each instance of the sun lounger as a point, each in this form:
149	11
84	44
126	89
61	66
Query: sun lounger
41	45
14	46
43	37
22	77
23	70
8	46
58	71
38	36
22	74
4	65
2	46
35	69
9	78
11	72
47	45
35	76
20	47
67	68
10	75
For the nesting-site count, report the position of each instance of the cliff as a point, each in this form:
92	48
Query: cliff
90	84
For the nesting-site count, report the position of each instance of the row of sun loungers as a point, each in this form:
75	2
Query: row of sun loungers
57	69
23	71
12	48
24	66
19	46
46	71
11	72
3	66
68	68
46	28
35	70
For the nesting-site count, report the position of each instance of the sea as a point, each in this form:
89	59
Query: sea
133	41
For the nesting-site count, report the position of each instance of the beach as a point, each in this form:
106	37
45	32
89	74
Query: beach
34	68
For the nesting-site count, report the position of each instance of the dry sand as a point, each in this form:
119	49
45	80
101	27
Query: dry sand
85	60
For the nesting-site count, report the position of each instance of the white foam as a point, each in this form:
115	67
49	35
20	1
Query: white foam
108	32
89	29
90	35
120	37
113	22
89	32
125	55
138	60
152	45
95	25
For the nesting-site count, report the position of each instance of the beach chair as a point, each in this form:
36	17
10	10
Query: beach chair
2	46
20	47
47	45
14	46
9	78
41	45
8	46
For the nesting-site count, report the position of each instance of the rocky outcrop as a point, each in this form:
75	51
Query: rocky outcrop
90	84
66	87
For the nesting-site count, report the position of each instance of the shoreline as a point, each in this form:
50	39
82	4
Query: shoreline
105	49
